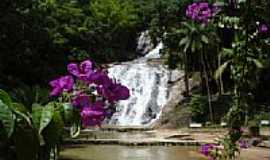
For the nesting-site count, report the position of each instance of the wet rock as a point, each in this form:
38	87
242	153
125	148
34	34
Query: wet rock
255	141
264	144
173	113
176	75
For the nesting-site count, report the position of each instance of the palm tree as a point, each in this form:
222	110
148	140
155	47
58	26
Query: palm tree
195	41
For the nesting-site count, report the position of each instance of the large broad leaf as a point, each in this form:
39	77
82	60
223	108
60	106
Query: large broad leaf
53	132
21	111
36	115
46	116
26	143
71	117
67	113
5	98
7	118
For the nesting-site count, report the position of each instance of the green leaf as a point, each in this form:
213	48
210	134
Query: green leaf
187	46
7	118
46	116
204	39
5	98
188	26
193	47
21	111
257	63
68	114
180	31
227	51
183	41
53	132
75	130
36	115
221	69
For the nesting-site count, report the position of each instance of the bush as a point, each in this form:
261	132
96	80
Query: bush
198	106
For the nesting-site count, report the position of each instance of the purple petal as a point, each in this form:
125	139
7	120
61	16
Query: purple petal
54	83
73	69
86	67
61	84
263	28
56	91
98	105
100	78
80	100
66	83
121	92
92	115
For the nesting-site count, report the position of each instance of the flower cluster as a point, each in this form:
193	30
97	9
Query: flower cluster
200	12
220	151
206	149
243	144
62	84
93	92
263	28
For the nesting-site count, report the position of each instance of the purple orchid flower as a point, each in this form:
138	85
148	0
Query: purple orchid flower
114	92
82	71
206	149
100	78
200	12
263	28
243	144
80	100
62	84
93	114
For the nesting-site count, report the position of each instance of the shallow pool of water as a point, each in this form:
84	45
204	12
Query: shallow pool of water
116	135
114	152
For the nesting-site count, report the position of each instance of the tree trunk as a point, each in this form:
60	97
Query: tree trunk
186	74
207	87
221	86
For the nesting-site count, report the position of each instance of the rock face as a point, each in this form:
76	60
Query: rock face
144	45
174	114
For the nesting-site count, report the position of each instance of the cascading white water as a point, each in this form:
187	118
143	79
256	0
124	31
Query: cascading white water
148	86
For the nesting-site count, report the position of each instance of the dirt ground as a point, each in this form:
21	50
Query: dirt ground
255	154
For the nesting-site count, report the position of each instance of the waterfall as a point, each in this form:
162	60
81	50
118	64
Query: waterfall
148	86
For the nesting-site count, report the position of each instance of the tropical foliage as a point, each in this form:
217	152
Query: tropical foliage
41	129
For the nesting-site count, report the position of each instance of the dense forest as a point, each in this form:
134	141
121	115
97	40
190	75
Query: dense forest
39	35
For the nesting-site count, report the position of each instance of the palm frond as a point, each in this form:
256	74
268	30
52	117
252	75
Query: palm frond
221	69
